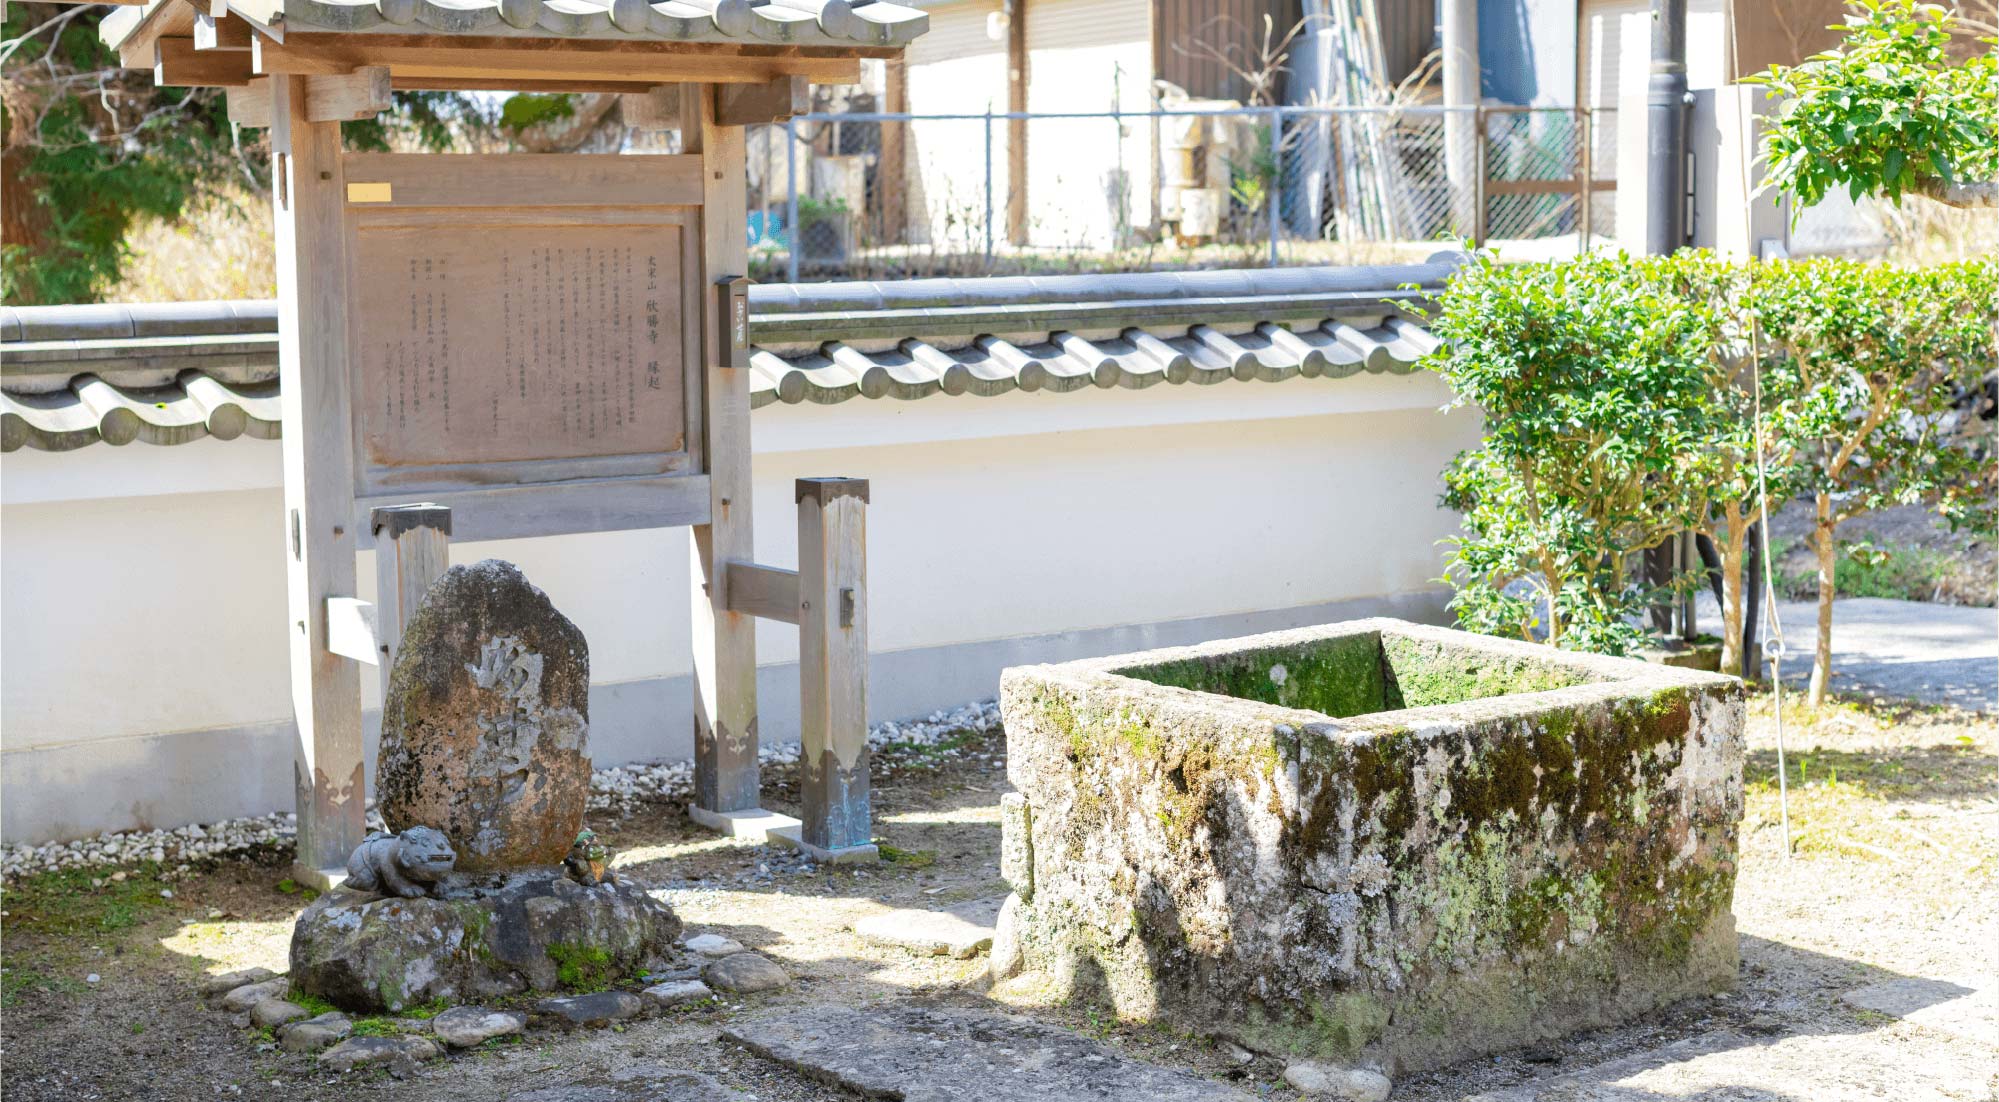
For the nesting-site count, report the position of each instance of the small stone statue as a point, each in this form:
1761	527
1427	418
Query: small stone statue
408	864
589	860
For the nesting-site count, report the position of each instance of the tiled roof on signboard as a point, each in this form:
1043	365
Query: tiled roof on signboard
839	24
174	372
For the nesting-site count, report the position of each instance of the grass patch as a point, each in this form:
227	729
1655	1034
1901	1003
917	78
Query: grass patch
583	968
64	903
376	1027
313	1004
18	981
1860	569
907	858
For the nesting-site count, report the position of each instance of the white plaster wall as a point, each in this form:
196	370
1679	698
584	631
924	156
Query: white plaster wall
142	657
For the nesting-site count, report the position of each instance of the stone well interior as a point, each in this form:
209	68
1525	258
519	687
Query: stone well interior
1362	674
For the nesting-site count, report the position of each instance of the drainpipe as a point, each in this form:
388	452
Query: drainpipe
1666	105
1461	98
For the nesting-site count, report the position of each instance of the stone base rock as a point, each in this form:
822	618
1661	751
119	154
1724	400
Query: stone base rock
958	932
532	930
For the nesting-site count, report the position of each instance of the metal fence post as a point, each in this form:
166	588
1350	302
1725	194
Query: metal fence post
1275	198
989	188
1586	126
1480	201
791	200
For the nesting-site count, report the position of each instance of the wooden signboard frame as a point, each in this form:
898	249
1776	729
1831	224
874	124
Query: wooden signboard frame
345	466
386	312
572	252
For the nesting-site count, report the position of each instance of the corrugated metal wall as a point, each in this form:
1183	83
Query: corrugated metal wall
1180	27
955	68
1235	27
1089	181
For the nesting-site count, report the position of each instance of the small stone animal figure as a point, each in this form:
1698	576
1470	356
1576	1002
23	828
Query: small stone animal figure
589	860
408	864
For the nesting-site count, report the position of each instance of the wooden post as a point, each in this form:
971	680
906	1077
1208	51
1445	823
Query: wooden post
1016	128
307	193
891	179
412	550
725	654
833	667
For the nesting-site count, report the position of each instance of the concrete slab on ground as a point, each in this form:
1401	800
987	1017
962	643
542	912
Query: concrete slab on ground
1962	1008
1938	654
1911	650
960	932
1864	1066
923	1053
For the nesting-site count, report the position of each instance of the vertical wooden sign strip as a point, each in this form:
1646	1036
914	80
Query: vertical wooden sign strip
319	540
833	665
725	654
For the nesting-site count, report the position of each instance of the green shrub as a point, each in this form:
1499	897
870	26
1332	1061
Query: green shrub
1888	112
1594	383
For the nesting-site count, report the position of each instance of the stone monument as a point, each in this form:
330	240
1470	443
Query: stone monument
482	778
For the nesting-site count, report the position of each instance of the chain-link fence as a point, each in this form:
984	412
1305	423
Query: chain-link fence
870	196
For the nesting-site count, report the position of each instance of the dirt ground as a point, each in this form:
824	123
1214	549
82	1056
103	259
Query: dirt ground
1895	872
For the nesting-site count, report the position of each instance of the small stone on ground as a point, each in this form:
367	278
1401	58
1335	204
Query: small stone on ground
599	1009
465	1026
272	1013
959	932
676	992
230	981
358	1052
1320	1080
240	1000
714	945
314	1034
745	974
935	1054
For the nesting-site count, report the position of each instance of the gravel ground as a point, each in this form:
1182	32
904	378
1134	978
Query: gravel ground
1894	872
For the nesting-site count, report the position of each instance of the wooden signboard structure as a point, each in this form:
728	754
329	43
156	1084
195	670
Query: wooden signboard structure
500	346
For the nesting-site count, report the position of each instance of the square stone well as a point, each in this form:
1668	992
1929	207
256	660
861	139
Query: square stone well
1374	842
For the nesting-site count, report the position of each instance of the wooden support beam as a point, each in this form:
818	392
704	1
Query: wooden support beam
763	591
773	101
412	551
211	33
250	104
177	64
726	775
653	109
319	544
350	630
361	94
833	666
473	63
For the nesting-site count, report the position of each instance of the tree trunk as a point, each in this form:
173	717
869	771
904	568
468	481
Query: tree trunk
1734	568
1822	542
1975	195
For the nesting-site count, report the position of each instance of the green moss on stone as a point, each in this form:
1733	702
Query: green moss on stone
582	967
1336	677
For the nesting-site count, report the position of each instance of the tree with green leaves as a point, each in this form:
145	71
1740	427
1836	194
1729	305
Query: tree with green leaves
90	147
1878	358
1594	383
1890	112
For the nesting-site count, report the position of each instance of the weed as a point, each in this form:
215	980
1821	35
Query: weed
73	903
908	858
